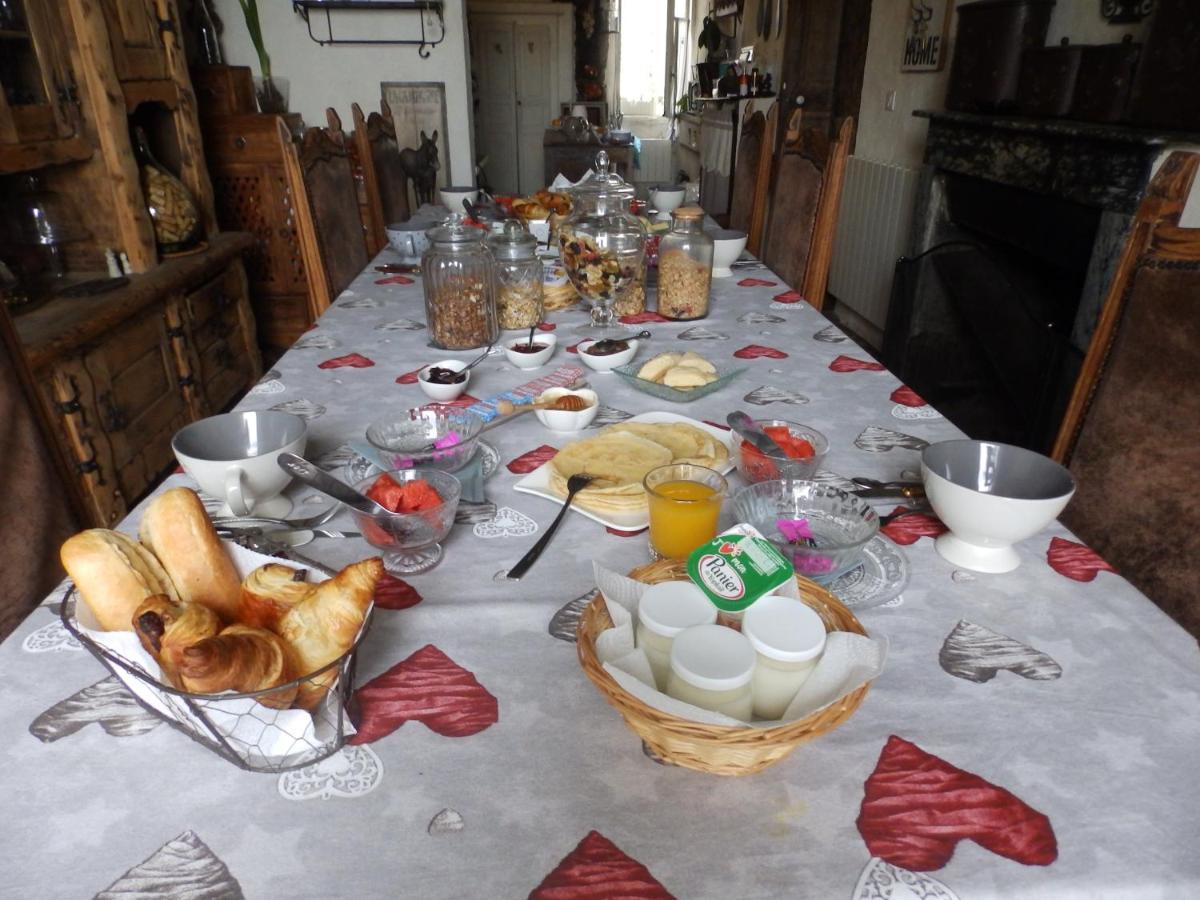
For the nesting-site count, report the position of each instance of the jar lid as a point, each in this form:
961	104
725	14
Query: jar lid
512	241
669	607
688	212
784	629
712	658
455	230
604	181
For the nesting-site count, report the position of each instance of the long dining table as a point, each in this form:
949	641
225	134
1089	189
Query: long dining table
1032	734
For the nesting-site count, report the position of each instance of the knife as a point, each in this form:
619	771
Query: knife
897	490
778	18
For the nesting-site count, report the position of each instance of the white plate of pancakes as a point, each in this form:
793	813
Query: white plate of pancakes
620	455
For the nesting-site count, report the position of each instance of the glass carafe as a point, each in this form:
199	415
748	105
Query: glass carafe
602	243
173	212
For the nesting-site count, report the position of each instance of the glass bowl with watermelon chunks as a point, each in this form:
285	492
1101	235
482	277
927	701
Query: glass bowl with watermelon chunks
804	447
422	503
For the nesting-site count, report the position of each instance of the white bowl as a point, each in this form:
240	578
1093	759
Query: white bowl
444	393
452	197
727	247
606	363
991	496
568	420
527	361
666	197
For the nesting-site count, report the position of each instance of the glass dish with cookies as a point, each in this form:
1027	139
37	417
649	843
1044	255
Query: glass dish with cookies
249	655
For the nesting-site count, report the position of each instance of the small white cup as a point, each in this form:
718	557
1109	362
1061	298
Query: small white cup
453	197
233	456
408	239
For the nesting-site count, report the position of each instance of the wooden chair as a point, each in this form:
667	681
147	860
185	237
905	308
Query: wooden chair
752	175
326	209
1131	433
378	153
804	206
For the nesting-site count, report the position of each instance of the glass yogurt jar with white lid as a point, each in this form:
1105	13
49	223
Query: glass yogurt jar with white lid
788	638
712	667
665	610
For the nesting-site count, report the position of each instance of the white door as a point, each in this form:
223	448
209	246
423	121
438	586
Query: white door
534	51
496	103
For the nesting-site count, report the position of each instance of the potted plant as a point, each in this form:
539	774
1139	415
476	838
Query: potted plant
272	92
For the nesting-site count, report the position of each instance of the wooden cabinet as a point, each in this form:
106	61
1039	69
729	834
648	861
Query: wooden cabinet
221	336
136	38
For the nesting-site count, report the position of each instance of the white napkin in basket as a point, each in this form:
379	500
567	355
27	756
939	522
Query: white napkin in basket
849	660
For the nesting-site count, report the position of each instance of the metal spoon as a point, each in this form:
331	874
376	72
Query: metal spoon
575	484
302	470
745	428
480	358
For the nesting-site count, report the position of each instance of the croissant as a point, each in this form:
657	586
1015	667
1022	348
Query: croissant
270	591
167	628
241	658
322	626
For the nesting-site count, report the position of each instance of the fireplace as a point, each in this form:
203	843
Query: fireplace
1018	228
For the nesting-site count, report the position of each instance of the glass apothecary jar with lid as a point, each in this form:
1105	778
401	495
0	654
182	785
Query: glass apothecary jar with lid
685	256
459	280
602	242
518	276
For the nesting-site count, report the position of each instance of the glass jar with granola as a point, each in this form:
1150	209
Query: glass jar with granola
518	277
457	271
685	266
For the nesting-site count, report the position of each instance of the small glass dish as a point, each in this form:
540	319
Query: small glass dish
410	541
407	441
675	395
755	466
841	524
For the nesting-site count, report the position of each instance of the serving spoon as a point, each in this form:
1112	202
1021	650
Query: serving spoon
303	470
745	428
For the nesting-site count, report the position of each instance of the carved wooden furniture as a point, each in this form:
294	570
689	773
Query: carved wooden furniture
804	205
378	153
325	201
1130	431
573	160
752	174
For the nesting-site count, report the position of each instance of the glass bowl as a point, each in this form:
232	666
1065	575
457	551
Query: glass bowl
755	466
410	541
841	524
675	395
405	441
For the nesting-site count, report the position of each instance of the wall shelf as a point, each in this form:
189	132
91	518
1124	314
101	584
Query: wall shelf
424	44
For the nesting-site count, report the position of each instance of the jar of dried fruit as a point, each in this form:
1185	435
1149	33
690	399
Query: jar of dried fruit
518	276
458	275
685	257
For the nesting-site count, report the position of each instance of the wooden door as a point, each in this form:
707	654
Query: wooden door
137	44
533	56
496	109
37	89
226	358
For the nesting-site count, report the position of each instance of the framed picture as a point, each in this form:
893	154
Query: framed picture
925	35
420	106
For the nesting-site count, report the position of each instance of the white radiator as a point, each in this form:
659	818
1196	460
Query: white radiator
872	233
656	162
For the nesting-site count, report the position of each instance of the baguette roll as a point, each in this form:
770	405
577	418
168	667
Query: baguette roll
177	529
114	574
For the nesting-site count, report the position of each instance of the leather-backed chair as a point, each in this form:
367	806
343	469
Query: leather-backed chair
1131	434
804	205
378	152
752	174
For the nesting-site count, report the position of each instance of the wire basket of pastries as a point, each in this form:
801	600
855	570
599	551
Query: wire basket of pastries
249	655
717	749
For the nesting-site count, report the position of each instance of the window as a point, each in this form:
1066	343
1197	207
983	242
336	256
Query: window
643	69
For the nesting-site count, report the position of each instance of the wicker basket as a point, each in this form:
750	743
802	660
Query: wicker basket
721	750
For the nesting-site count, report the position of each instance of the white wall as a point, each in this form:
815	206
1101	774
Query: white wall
337	76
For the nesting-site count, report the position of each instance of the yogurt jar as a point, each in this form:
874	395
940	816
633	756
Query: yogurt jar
712	667
788	638
665	610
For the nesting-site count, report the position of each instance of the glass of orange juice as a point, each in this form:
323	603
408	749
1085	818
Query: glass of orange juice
685	503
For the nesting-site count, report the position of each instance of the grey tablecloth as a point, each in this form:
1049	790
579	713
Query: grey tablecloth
1068	773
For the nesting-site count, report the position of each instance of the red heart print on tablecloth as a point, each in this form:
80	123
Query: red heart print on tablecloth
574	348
756	282
758	351
906	396
350	360
788	297
535	458
547	326
642	318
394	279
619	533
1076	561
849	364
917	807
908	529
597	869
409	377
394	593
428	687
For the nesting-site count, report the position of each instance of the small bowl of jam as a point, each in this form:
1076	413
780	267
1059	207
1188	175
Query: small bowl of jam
606	354
444	381
526	354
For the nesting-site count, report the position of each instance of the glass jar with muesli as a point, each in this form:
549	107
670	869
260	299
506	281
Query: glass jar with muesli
602	243
458	275
685	257
518	276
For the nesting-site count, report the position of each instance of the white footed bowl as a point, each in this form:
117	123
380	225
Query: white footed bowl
727	247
